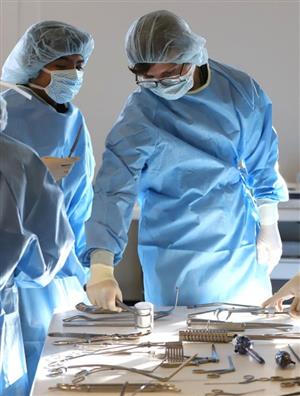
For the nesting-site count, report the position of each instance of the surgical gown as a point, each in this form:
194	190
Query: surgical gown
197	165
50	133
35	240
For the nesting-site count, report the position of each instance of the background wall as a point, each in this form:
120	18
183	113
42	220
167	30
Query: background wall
260	37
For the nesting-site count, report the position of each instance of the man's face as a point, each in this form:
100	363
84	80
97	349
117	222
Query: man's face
63	63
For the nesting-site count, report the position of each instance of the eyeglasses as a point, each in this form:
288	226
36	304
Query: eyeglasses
166	82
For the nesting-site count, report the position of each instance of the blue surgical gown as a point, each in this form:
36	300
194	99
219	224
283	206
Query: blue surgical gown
51	133
197	165
35	240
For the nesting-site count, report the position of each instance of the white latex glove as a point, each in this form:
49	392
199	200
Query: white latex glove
59	167
102	288
269	245
290	289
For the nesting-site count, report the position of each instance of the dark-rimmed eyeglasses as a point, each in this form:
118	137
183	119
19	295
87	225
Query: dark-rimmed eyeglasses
166	81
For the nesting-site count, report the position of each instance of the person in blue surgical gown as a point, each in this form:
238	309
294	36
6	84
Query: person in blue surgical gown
194	144
48	61
35	240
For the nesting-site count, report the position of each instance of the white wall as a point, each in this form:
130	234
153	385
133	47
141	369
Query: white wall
260	37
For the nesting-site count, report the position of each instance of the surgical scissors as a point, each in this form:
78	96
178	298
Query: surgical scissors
219	307
217	392
252	310
248	379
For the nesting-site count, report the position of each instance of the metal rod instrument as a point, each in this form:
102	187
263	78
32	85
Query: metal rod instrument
104	388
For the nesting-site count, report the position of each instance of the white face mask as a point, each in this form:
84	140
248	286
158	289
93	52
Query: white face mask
177	90
64	84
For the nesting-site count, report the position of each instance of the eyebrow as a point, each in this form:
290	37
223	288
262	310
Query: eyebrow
65	58
164	74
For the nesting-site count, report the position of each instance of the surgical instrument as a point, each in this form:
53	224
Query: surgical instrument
87	323
283	359
93	338
104	388
137	371
85	318
113	349
123	390
243	346
174	354
92	309
98	310
214	358
218	308
251	310
220	392
144	386
222	336
234	326
218	305
105	321
248	379
294	353
81	375
291	394
217	372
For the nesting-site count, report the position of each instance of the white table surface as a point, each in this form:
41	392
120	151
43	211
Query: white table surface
166	329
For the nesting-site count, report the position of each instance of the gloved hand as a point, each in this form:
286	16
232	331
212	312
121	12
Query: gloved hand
59	167
290	289
269	246
102	288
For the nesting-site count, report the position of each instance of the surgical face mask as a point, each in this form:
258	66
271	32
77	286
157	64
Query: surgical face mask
176	91
64	84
